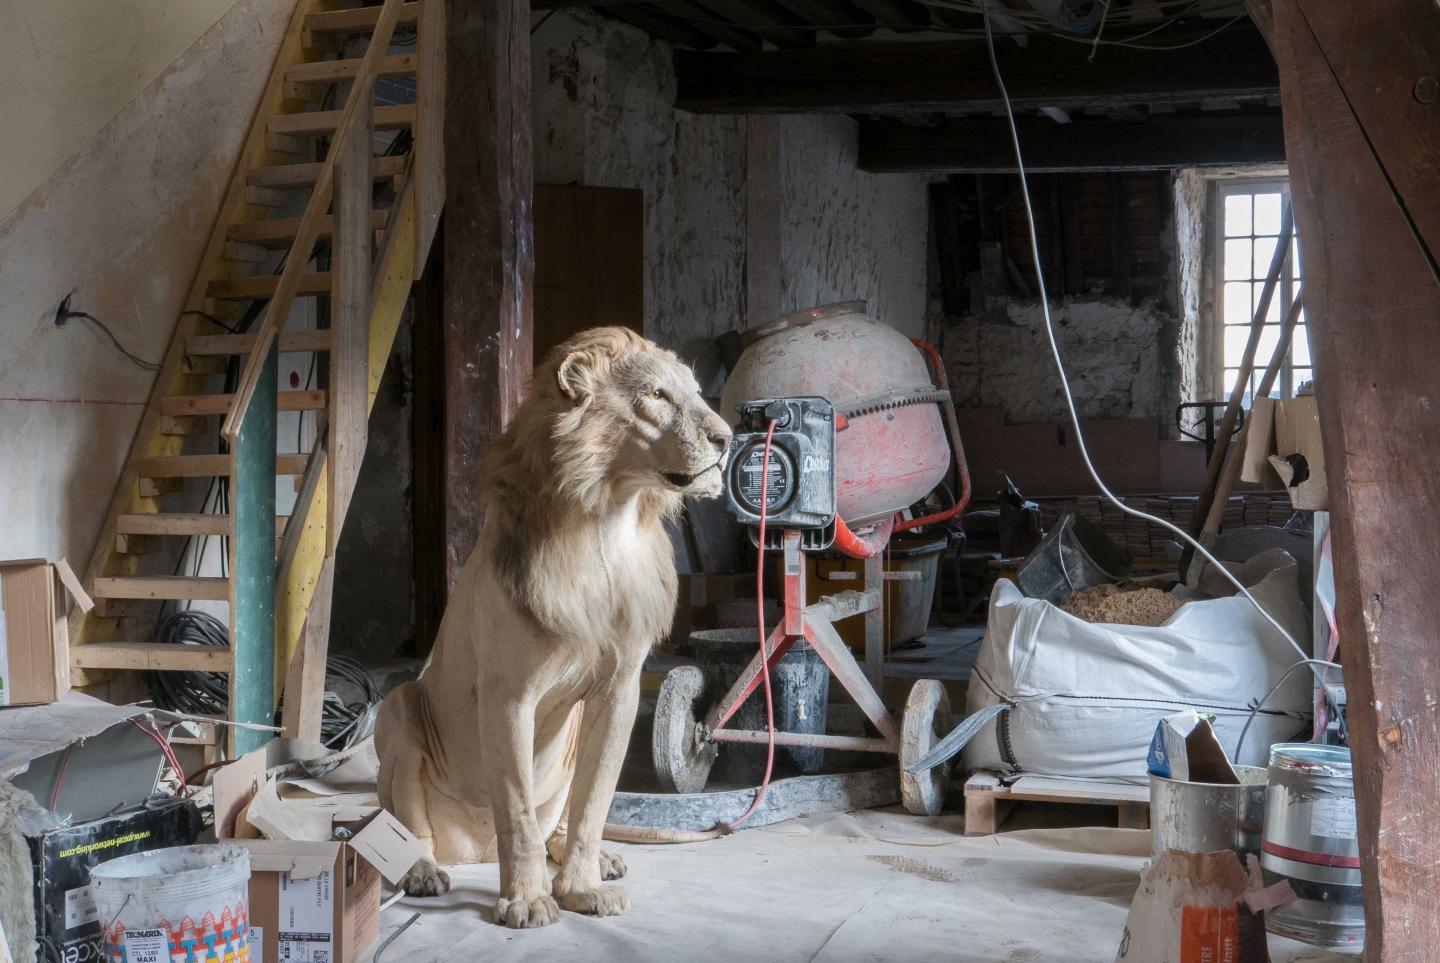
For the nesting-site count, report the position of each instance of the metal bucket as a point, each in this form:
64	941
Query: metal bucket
1310	840
1204	817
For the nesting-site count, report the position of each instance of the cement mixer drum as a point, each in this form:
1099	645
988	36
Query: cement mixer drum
892	451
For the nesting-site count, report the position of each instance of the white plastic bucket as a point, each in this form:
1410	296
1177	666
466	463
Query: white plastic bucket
187	903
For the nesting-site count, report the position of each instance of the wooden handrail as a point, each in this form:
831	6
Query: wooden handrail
298	259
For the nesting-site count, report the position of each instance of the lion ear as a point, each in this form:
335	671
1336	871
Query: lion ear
576	375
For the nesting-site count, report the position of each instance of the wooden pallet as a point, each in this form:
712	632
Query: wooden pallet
988	799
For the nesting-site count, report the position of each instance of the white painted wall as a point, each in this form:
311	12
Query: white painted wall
72	65
121	223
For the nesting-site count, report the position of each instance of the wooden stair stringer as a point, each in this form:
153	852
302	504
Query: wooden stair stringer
299	567
149	441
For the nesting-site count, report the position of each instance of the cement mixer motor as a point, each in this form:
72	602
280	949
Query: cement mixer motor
800	488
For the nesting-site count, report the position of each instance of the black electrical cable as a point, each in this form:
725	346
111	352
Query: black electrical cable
212	319
198	693
65	314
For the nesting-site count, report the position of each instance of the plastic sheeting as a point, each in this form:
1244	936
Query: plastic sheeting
877	885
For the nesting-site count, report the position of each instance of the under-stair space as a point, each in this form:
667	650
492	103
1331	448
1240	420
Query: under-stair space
234	492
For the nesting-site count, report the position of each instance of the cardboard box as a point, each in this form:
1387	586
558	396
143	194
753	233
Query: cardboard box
66	921
1283	450
34	635
311	902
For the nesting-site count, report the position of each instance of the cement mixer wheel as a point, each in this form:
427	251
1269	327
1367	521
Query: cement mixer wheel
681	754
926	719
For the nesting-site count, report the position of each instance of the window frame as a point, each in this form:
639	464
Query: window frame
1223	188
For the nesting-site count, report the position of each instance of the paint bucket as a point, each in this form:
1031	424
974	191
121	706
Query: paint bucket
186	903
1204	817
1310	841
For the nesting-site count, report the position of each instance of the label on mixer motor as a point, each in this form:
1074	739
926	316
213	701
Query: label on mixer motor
776	475
1333	817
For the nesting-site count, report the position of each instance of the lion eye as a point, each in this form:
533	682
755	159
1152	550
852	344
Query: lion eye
657	394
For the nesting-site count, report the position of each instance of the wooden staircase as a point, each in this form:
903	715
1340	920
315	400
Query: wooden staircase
308	186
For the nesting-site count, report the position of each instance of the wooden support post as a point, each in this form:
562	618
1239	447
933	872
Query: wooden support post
1361	121
875	623
489	246
350	318
429	170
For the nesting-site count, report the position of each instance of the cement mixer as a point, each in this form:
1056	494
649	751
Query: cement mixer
839	430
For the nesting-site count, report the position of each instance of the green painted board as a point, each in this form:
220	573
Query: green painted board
253	504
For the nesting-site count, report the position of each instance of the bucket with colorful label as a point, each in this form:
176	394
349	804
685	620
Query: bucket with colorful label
187	904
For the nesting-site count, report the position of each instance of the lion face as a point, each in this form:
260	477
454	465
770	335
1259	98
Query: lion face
644	406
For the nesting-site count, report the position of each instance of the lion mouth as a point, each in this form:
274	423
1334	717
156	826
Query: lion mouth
682	480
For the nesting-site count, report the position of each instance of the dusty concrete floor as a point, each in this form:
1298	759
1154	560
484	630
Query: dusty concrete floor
877	885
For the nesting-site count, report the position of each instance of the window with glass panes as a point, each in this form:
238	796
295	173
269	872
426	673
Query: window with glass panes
1249	229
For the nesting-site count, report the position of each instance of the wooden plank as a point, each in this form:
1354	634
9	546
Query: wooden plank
317	123
312	400
305	678
280	231
350	319
264	288
290	176
335	71
162	587
983	145
151	656
356	20
921	77
223	344
196	466
252	563
266	197
489	247
429	148
1370	307
769	21
246	253
174	523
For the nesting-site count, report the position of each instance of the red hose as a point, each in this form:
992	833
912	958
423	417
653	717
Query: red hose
730	827
867	546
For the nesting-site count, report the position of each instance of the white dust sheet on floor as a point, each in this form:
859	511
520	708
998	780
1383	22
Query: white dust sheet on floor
877	885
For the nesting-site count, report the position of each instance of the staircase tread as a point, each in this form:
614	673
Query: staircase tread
305	174
263	287
358	20
202	345
152	656
173	523
310	400
185	466
314	123
283	229
332	71
209	588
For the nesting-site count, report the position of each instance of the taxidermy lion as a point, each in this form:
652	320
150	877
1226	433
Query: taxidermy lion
530	693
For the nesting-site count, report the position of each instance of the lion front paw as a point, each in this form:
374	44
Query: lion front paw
611	865
426	879
526	913
600	901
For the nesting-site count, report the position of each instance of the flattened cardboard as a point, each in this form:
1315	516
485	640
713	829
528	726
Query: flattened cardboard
1283	444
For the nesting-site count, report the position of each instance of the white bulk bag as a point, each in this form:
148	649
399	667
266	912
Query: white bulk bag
1086	697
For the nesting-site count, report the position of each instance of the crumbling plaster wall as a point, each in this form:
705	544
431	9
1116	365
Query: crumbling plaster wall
847	234
121	223
1112	353
603	96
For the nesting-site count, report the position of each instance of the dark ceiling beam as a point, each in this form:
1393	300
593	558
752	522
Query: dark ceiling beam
766	18
704	19
660	25
880	77
983	144
833	16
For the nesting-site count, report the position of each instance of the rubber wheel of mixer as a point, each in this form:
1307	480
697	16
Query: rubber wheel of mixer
925	721
682	758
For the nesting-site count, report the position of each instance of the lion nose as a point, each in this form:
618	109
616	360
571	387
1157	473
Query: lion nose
720	438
